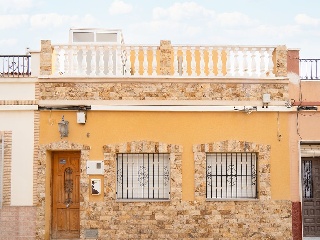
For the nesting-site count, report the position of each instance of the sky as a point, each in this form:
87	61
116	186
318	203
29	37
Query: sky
294	23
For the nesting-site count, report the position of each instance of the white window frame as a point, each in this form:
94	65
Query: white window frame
231	175
143	176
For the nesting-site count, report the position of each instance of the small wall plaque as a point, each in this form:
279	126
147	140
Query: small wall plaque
95	186
91	233
62	161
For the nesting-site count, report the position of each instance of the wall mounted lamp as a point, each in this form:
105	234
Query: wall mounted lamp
63	127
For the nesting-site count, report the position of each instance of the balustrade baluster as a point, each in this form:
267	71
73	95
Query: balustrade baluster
127	61
66	61
201	61
120	65
101	61
184	62
110	61
75	66
270	62
84	64
57	60
245	62
228	63
253	62
219	63
262	64
210	62
236	62
193	61
93	61
136	61
175	62
154	61
145	61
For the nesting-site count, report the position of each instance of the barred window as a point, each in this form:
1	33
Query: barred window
143	176
231	175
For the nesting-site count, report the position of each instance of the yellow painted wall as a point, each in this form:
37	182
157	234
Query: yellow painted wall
182	128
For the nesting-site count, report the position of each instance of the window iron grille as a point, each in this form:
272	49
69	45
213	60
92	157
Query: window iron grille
307	179
143	176
231	175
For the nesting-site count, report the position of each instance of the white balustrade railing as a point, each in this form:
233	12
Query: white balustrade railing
143	61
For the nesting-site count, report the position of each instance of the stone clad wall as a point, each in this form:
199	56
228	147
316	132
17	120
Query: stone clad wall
200	219
162	91
261	218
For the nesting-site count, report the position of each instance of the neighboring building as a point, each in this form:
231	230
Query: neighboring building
304	132
113	141
19	133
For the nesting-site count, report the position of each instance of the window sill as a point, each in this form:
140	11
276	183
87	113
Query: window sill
232	199
143	200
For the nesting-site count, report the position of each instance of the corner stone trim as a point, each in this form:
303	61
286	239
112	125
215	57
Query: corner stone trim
111	150
142	147
41	198
281	61
7	168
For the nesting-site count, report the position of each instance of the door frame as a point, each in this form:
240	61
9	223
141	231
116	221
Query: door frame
301	156
51	183
42	183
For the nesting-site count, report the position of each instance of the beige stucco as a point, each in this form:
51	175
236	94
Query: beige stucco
304	126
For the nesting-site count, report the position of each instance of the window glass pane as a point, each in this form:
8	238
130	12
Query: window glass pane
106	37
83	37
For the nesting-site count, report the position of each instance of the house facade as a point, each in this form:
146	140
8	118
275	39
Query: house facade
304	145
164	142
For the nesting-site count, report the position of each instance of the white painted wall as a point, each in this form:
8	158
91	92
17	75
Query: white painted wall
21	123
17	90
35	63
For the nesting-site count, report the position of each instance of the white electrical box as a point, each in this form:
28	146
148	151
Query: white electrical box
95	167
81	117
95	186
266	98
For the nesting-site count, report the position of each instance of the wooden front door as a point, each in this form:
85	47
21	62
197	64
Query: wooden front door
66	195
311	196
